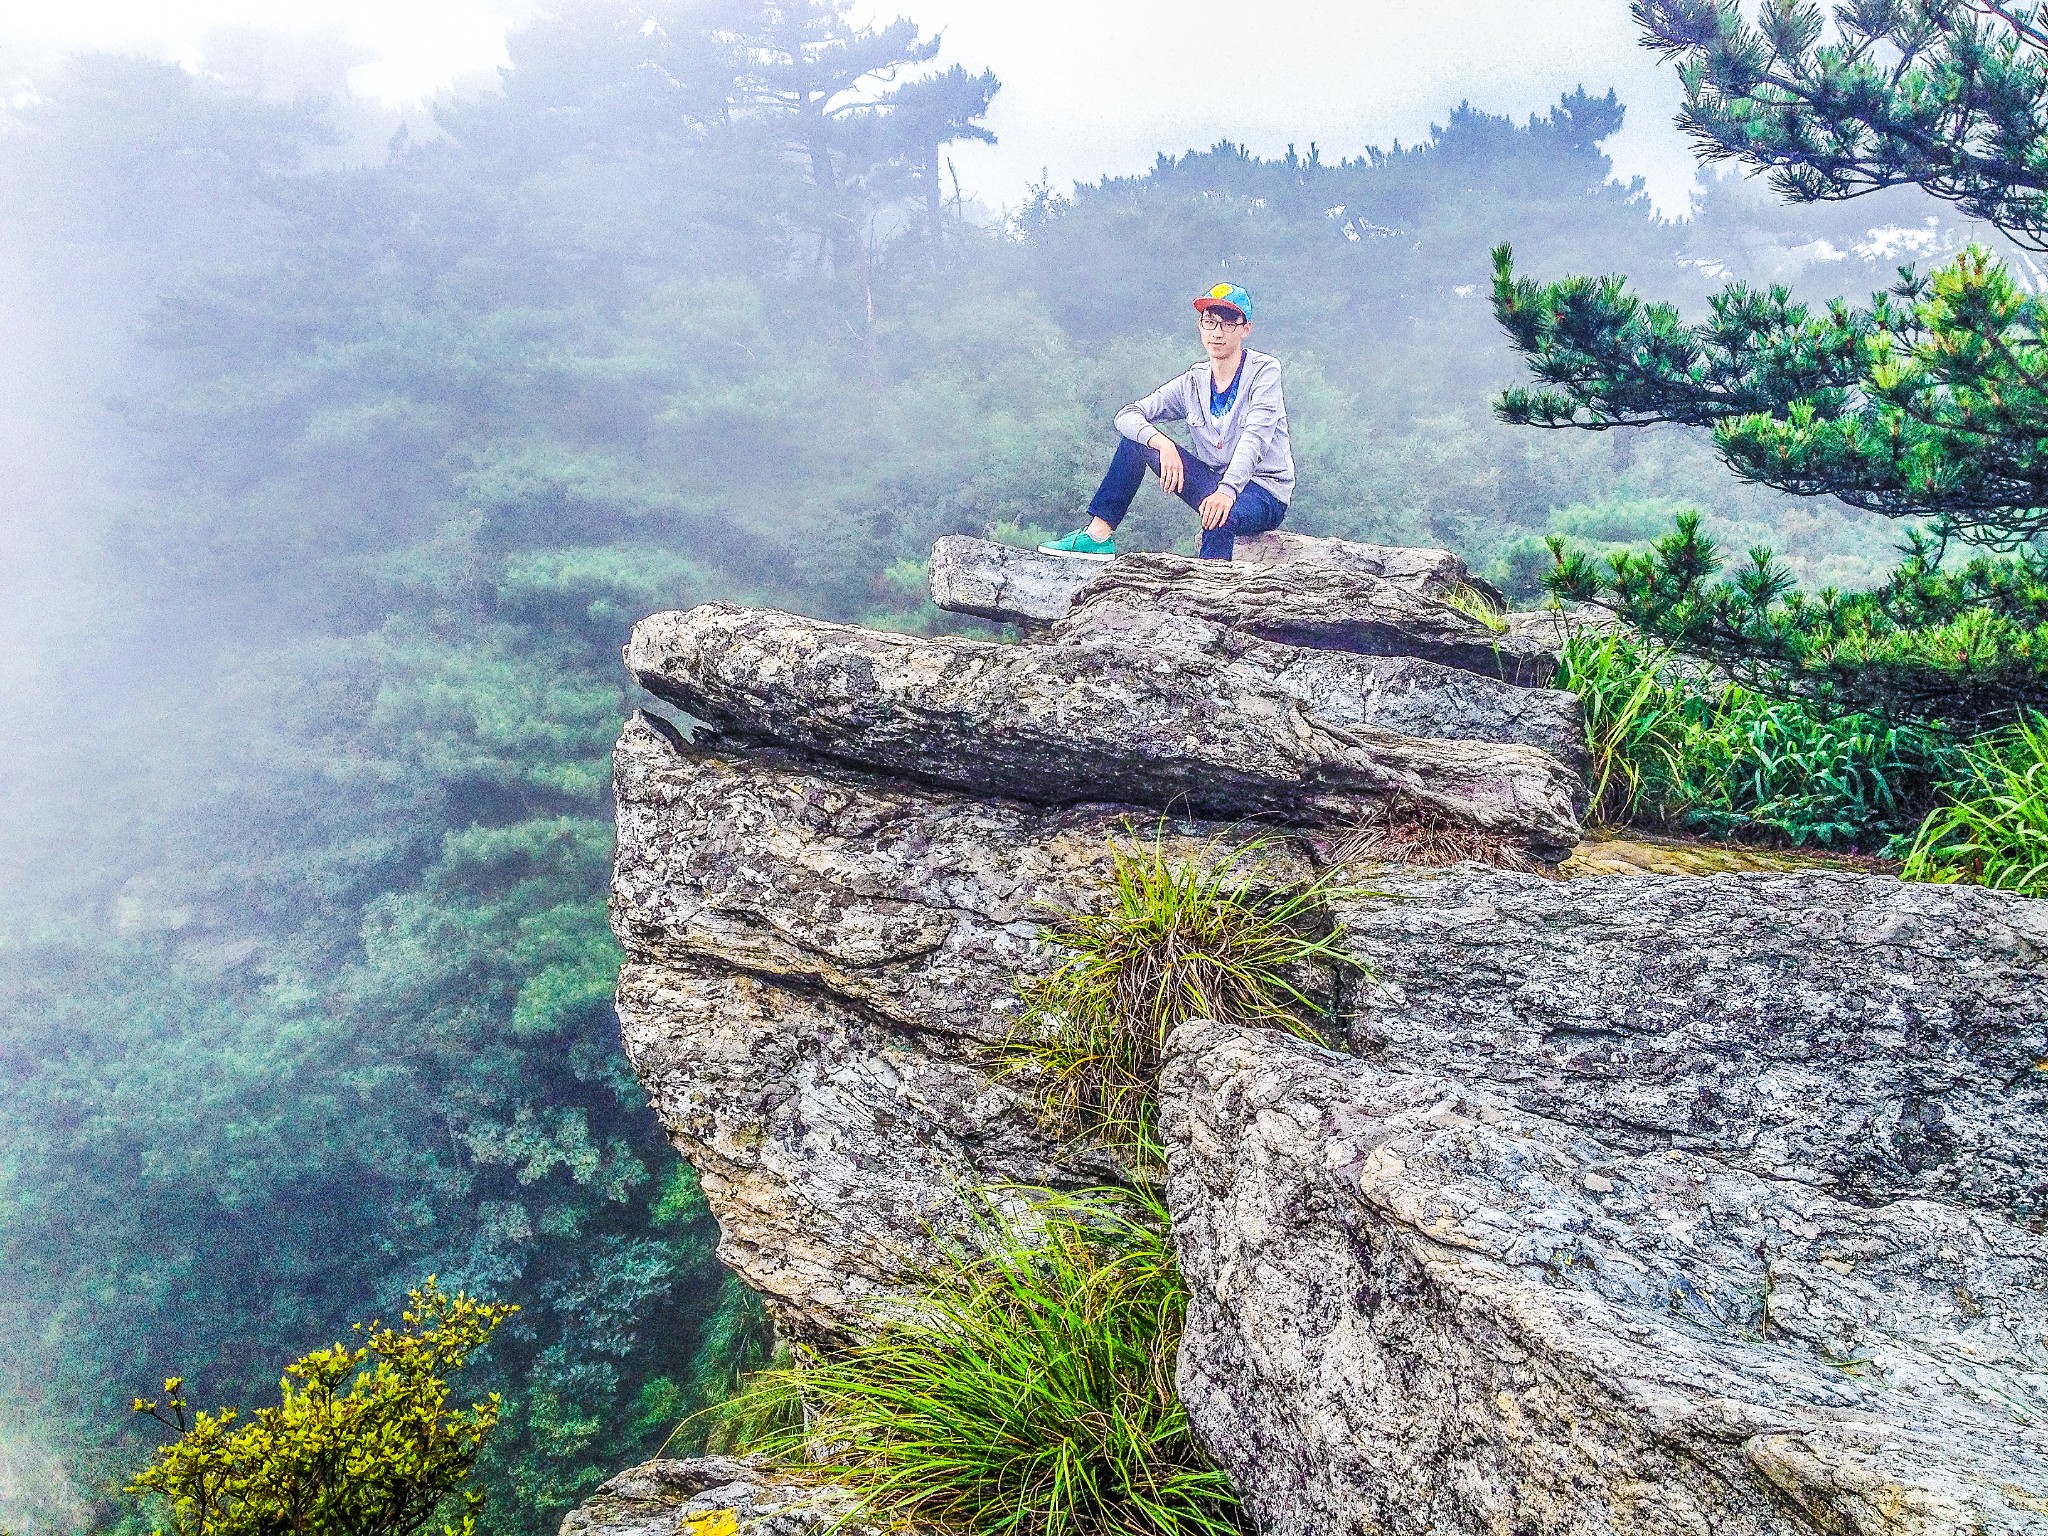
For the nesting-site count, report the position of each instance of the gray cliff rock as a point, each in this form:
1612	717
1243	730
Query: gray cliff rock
1404	694
818	965
1069	724
711	1496
1550	628
1005	583
1643	1204
833	1150
1419	1307
1322	607
1870	1038
1020	586
1431	572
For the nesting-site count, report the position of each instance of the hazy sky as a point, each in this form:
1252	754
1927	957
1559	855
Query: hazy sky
1089	86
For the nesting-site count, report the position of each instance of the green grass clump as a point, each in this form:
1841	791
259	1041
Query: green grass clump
1674	749
1475	604
1627	708
1031	1395
1176	939
1994	829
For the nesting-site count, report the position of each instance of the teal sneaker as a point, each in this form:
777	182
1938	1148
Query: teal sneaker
1078	546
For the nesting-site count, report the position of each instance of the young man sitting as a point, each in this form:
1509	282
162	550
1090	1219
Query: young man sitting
1240	475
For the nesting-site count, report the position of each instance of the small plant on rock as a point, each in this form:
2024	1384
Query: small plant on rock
1208	937
1675	747
1030	1393
1475	604
1628	712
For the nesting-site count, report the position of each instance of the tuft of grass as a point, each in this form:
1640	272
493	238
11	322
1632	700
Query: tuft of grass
1031	1394
1628	711
1208	937
1675	749
1994	829
1475	604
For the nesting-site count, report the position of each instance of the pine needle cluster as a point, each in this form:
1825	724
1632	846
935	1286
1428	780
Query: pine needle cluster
1929	403
1964	647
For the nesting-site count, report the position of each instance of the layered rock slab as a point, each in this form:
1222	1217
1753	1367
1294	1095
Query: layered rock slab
1073	724
1431	572
1417	1306
819	965
1319	607
1021	586
1004	583
1872	1038
1404	694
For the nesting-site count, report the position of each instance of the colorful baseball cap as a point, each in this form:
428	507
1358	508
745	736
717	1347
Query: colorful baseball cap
1227	296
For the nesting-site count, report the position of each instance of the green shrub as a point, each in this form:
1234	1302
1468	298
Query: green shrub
1177	939
1961	648
363	1441
1673	748
1994	829
1031	1395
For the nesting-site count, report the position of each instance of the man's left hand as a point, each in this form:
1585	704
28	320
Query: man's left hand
1216	506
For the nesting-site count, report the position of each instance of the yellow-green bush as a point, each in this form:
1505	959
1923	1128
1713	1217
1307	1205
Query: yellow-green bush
362	1443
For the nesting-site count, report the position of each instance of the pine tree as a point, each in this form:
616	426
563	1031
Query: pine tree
1930	403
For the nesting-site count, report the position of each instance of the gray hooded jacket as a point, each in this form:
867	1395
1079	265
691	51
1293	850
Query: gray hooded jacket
1249	441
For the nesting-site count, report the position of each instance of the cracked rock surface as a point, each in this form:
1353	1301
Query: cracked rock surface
1321	607
819	966
1645	1203
1419	1306
1005	583
1871	1038
1405	694
1432	572
1062	725
1021	586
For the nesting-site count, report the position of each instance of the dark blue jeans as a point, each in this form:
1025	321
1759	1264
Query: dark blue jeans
1256	510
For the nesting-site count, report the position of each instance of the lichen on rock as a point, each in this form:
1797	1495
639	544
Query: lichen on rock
712	1496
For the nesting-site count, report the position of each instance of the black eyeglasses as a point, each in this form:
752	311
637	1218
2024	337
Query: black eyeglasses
1211	321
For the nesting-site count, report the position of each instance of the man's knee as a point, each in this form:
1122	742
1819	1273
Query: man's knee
1256	511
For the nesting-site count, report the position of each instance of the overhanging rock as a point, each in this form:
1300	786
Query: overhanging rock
1388	693
1061	725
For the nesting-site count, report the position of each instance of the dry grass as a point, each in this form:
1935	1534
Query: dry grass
1421	836
1475	604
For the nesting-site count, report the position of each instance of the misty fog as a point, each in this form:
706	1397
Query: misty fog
342	448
